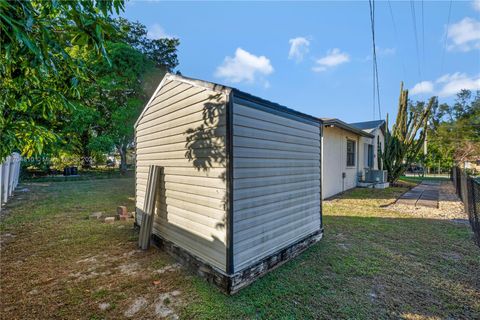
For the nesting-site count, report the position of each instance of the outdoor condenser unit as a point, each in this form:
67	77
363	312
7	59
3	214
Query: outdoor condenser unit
377	176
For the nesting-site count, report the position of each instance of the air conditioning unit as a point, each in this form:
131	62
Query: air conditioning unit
375	176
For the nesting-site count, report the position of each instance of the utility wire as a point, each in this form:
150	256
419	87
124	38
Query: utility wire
376	85
446	36
423	36
395	32
414	18
373	59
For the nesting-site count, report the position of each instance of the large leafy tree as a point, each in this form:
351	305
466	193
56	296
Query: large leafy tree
163	51
39	76
117	92
116	97
454	131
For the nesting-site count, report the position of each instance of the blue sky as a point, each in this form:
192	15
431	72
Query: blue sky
315	57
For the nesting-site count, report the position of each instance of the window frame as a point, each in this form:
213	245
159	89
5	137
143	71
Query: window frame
370	156
354	144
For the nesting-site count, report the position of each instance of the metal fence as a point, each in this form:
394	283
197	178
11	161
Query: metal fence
468	189
9	177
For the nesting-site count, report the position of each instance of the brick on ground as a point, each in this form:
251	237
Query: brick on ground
109	220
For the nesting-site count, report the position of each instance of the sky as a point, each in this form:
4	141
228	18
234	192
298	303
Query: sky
316	57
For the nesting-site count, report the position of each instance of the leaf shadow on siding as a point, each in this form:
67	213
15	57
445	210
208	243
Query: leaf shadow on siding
205	143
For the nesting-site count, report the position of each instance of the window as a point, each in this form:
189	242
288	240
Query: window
370	156
350	153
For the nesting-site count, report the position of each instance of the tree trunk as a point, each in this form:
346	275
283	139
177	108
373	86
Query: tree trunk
86	155
123	158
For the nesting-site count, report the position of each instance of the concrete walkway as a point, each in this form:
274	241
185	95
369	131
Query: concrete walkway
424	195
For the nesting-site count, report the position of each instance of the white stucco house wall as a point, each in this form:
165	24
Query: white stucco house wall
347	150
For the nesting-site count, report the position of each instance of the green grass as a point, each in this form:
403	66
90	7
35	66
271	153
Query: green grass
372	263
83	174
418	179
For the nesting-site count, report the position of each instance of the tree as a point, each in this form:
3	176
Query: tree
119	98
118	91
39	75
163	51
404	141
454	131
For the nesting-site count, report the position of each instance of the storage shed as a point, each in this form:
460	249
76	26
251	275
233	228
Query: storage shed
241	185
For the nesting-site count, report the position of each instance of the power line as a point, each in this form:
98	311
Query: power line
395	32
423	36
376	85
446	36
414	18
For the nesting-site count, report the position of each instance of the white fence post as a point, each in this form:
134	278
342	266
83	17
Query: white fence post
6	180
15	171
9	176
1	185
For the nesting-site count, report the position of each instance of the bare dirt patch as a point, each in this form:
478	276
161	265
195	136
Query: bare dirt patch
57	263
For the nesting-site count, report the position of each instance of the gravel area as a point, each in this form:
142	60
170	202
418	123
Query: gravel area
449	206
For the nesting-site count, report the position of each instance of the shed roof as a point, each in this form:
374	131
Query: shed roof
226	89
343	125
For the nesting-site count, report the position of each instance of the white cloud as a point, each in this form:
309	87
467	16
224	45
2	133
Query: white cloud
422	87
447	85
464	35
453	83
298	48
476	4
244	67
156	31
333	58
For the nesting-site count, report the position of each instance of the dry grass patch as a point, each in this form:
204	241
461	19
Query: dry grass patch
57	263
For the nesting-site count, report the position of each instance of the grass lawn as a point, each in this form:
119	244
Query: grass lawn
418	179
372	263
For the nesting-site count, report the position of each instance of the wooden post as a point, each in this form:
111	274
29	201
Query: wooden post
155	173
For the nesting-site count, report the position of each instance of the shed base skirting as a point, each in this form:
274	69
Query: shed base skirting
231	284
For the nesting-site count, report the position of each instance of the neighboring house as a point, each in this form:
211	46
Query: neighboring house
349	149
377	129
471	164
241	184
340	156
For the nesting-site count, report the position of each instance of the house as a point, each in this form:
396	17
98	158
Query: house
377	129
350	155
241	185
341	157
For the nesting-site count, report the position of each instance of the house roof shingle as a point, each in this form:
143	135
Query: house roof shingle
369	126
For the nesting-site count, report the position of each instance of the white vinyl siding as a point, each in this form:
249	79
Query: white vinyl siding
276	180
183	129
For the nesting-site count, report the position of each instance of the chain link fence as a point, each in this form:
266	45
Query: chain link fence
468	189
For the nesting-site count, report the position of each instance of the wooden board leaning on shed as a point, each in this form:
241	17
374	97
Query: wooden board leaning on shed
155	173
